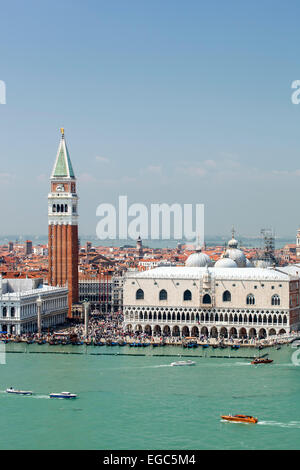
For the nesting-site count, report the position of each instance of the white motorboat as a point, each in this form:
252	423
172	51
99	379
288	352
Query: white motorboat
18	392
183	363
63	395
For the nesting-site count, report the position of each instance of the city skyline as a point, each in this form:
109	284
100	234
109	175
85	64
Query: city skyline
202	113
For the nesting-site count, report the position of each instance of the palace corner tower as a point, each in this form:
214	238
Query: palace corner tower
63	225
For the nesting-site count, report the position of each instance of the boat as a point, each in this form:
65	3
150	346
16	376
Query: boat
205	346
18	392
260	360
63	395
240	418
183	363
235	346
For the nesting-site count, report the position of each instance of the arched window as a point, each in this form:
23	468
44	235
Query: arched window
139	294
250	299
12	311
58	208
275	299
66	207
206	299
163	295
187	295
53	208
62	208
4	311
226	296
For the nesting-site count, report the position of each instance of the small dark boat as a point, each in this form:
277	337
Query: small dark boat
205	346
192	345
235	346
154	345
99	343
215	346
121	343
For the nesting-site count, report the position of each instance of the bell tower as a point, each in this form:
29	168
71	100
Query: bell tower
63	225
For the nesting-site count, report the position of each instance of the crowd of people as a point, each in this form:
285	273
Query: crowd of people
108	328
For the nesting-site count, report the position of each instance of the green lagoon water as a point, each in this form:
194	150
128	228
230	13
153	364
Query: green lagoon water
140	402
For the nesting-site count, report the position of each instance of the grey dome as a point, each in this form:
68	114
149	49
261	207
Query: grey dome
236	255
198	260
225	263
233	243
249	264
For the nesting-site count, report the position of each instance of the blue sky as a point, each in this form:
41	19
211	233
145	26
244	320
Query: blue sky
163	101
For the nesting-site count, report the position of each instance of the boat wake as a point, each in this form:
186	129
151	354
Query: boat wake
40	396
242	363
291	424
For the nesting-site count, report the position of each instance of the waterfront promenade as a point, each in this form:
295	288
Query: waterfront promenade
107	330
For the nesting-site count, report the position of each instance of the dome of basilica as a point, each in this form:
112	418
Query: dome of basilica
198	260
249	264
225	263
235	254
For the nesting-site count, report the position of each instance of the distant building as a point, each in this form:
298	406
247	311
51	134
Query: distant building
18	307
298	244
28	247
10	246
139	248
105	294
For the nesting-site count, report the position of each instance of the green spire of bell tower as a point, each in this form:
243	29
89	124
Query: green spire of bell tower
63	166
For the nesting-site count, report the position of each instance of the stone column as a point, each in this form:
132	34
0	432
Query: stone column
39	304
86	318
